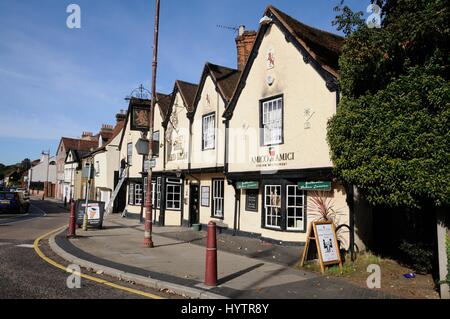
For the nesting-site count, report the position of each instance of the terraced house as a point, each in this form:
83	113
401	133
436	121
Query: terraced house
247	147
134	166
277	151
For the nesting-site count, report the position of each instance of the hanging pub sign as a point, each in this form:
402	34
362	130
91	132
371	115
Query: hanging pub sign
140	115
315	186
324	235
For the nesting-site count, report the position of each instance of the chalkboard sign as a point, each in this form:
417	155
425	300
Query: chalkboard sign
95	213
251	200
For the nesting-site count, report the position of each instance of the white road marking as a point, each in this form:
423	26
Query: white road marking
25	246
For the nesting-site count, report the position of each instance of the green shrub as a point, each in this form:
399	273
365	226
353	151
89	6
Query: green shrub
418	256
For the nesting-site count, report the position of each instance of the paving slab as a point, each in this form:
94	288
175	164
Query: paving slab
179	257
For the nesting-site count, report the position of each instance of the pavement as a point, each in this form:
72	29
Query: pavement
248	268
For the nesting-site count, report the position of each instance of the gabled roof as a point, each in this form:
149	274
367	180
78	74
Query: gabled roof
78	155
187	91
323	46
225	79
319	48
77	144
163	103
117	130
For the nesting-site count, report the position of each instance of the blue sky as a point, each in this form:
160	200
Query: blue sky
56	81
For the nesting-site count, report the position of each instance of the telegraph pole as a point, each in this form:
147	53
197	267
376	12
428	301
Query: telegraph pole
148	242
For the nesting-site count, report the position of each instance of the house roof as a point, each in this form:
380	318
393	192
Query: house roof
117	130
319	48
77	144
187	91
164	103
325	47
78	155
224	78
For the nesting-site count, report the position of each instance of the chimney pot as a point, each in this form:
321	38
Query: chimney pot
241	30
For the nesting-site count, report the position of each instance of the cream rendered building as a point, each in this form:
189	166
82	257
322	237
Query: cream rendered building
135	184
106	162
171	184
277	128
206	180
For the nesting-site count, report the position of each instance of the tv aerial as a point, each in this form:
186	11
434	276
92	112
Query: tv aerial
231	28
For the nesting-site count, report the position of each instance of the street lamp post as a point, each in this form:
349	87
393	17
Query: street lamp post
148	242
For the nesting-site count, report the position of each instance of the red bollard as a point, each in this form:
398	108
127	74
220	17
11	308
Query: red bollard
211	256
72	221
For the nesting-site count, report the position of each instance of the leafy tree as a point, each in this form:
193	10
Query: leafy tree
26	164
390	136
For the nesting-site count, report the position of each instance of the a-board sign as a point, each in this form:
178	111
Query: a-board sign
324	235
95	213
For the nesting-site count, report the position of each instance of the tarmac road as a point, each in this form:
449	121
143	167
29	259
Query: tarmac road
25	275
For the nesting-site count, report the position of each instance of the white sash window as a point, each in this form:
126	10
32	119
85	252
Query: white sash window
218	196
272	121
208	129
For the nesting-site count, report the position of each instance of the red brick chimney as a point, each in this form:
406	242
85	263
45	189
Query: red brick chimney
244	44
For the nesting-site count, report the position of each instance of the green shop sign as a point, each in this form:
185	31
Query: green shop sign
247	185
315	186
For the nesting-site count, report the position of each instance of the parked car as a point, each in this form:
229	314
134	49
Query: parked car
13	203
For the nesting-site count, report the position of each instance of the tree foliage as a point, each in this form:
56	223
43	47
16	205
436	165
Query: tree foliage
391	134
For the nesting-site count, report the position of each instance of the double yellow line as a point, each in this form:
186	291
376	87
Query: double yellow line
91	278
